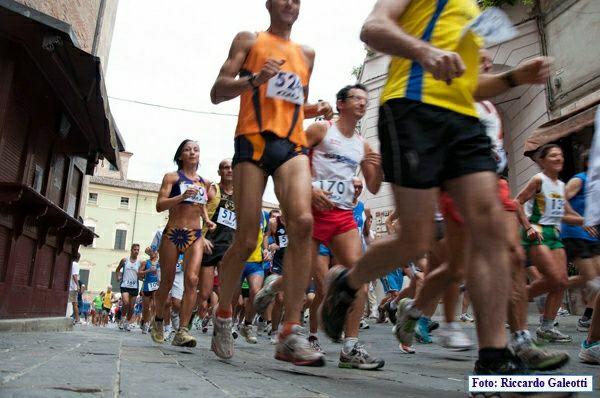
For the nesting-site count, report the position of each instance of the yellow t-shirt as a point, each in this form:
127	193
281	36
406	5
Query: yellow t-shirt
257	254
107	303
440	23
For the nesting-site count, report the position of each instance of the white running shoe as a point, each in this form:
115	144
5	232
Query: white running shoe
222	340
590	353
295	348
406	349
249	333
454	338
466	317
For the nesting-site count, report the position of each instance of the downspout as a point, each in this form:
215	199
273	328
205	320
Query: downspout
539	19
137	199
99	23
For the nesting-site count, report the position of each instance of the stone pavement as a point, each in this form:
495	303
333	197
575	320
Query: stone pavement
93	361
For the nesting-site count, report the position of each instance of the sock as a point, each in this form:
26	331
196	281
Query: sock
487	355
313	335
286	328
587	314
224	314
349	343
547	323
157	319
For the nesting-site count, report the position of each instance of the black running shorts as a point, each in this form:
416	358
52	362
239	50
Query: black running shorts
422	145
581	248
266	150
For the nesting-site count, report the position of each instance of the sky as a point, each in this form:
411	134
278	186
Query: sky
171	55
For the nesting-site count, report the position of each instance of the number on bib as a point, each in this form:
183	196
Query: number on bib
557	207
130	284
493	25
283	241
286	86
199	198
227	218
342	192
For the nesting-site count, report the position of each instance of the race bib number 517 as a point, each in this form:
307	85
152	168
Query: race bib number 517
286	86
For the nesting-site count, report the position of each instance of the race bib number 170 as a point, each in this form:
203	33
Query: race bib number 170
286	86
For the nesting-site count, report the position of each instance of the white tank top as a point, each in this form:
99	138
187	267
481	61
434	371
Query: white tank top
489	117
335	161
130	276
547	207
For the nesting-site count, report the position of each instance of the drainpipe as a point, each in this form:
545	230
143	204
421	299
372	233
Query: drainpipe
137	199
99	23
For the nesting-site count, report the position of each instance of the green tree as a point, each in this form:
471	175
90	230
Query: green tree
356	71
498	3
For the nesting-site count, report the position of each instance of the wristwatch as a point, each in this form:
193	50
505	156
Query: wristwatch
509	78
251	81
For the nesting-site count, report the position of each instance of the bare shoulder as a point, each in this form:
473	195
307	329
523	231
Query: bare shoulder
245	39
309	54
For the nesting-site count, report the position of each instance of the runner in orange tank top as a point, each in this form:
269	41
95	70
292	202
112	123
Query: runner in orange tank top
270	73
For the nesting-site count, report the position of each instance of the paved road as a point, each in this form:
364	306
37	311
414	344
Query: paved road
109	363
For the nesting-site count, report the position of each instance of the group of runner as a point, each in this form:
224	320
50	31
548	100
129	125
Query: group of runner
440	150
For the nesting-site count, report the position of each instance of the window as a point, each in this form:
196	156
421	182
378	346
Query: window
84	277
124	202
92	198
120	237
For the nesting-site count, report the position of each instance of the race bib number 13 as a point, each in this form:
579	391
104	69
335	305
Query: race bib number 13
286	86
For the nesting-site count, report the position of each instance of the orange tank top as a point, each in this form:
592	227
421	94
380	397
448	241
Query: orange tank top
275	106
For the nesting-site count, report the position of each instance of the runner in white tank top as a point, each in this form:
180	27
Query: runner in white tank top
127	272
337	153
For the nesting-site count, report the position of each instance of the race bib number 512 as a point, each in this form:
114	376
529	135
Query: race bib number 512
286	86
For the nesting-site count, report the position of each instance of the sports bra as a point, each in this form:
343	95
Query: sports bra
200	198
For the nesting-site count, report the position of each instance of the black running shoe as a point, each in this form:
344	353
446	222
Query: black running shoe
336	303
433	325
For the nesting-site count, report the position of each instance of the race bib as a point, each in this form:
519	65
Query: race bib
227	218
555	207
200	197
342	192
152	286
493	25
286	86
283	241
129	284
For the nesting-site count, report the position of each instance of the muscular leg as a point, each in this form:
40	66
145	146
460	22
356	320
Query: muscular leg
488	279
168	262
248	187
191	269
320	267
415	209
125	315
293	189
277	311
517	309
207	275
255	281
347	249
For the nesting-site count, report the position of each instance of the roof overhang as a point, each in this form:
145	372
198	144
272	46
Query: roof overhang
75	76
561	127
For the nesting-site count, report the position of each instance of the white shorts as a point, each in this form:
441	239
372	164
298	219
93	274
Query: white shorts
177	289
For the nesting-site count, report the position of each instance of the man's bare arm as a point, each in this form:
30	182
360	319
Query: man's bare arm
228	86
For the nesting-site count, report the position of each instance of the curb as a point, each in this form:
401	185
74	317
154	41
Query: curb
54	324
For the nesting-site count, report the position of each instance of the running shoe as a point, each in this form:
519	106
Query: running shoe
364	324
359	358
509	365
433	325
536	358
126	327
406	349
295	348
336	303
563	312
422	331
222	340
391	313
314	344
590	353
266	295
183	338
273	340
120	324
144	329
249	333
234	333
260	324
407	318
552	335
583	325
454	338
466	317
157	333
268	329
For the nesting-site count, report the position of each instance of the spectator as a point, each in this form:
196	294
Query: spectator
74	288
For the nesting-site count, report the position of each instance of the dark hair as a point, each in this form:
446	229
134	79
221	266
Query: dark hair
134	245
584	158
343	94
178	153
545	150
76	256
274	211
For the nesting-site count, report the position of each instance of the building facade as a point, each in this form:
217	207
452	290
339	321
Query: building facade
55	124
560	111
